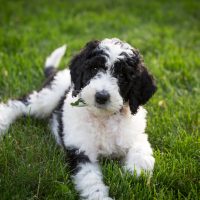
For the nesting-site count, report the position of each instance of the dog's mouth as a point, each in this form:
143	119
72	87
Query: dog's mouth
108	108
102	106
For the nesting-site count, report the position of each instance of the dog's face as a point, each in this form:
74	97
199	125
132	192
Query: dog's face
109	73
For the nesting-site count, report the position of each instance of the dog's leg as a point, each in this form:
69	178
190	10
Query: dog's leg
38	104
140	156
41	103
87	176
9	112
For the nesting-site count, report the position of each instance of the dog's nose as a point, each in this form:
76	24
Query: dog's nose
102	97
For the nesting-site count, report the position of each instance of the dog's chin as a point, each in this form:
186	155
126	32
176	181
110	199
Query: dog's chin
101	107
103	110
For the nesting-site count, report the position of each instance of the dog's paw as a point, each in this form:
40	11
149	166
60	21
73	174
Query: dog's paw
4	118
107	198
140	164
96	192
98	195
9	112
100	198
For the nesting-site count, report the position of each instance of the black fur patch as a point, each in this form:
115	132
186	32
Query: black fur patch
47	84
24	100
136	84
49	71
86	64
59	114
73	156
76	157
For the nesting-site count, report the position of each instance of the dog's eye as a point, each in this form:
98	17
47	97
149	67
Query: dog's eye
93	68
120	75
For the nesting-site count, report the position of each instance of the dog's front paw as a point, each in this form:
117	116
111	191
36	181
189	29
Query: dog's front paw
140	163
96	192
107	198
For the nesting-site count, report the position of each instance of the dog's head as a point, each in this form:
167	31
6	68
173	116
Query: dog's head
109	73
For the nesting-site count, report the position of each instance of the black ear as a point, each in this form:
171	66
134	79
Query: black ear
148	87
143	88
77	65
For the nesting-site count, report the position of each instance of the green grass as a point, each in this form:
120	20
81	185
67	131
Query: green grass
167	34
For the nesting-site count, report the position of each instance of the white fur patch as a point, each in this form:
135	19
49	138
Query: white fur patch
9	113
102	81
114	47
88	182
54	59
111	134
42	103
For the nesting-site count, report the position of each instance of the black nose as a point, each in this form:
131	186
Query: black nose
102	97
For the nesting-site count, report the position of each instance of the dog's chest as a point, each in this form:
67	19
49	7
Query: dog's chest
99	135
109	134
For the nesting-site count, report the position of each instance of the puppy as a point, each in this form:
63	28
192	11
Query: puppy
95	109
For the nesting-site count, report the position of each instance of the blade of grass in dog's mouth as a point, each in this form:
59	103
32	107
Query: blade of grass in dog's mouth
79	103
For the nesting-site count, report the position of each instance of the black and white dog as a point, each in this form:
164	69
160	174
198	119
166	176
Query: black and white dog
95	109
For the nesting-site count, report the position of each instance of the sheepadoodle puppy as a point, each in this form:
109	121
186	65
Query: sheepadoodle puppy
95	109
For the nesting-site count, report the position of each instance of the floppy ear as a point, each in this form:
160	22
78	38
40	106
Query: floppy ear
143	88
76	71
77	65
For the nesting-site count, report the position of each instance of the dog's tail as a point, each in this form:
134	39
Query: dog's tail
52	61
40	103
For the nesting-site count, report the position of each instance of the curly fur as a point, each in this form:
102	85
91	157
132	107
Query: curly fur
114	126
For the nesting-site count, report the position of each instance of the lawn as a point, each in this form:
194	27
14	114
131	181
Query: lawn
167	34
